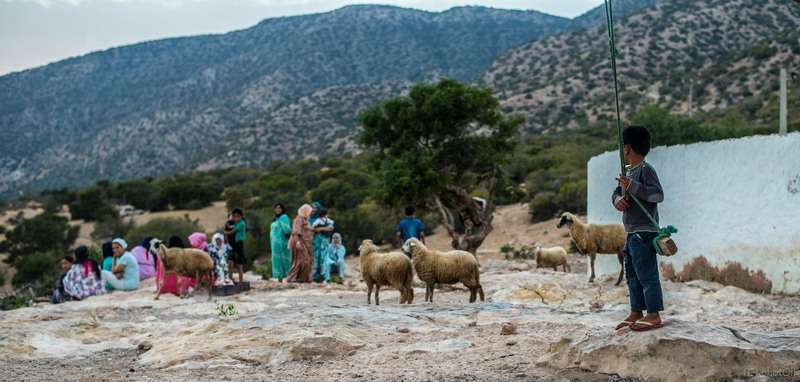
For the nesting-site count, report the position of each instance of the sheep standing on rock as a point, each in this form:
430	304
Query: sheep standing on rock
551	257
444	268
591	239
184	262
391	269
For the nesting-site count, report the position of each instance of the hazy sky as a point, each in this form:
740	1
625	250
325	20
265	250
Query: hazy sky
36	32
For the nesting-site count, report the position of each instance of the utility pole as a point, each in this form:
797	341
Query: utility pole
691	96
783	101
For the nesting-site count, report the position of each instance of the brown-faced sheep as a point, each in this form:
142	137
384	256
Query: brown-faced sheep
591	239
390	269
444	268
184	262
551	257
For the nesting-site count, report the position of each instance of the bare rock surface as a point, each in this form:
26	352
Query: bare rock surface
682	351
564	329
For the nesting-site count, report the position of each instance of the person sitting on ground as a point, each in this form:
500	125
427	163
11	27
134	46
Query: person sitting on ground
219	250
58	295
410	226
641	259
335	258
83	278
124	275
239	233
108	259
197	240
145	259
175	242
323	230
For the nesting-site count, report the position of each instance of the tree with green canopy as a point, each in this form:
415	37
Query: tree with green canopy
442	145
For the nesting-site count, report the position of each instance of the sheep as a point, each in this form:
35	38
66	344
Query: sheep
184	262
444	268
391	269
591	239
551	257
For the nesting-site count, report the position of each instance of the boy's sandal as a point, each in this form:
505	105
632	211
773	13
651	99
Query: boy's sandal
643	326
624	324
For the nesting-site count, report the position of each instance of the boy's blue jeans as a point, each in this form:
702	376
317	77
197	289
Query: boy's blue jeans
641	270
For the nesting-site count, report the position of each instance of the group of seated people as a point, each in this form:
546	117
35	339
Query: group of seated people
123	270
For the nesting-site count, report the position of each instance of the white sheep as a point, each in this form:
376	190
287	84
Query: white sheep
391	269
434	267
551	257
591	239
184	262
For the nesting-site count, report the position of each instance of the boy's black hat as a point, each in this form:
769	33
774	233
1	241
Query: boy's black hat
638	137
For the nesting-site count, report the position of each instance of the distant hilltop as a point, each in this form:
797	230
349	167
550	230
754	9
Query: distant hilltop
292	87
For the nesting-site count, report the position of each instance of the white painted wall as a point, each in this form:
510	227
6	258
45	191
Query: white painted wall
733	200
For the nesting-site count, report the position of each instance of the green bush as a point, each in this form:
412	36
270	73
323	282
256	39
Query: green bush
256	243
42	233
572	197
163	228
544	206
110	227
236	196
264	270
141	193
91	204
367	221
16	301
39	270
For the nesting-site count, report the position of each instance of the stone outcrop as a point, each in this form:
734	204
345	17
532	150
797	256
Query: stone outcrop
681	351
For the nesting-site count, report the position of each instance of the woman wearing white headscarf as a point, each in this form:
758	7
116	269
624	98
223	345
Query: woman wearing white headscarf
124	273
218	249
300	245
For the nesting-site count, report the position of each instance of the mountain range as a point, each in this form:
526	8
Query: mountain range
293	86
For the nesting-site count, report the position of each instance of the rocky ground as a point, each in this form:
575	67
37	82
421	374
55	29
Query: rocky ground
534	325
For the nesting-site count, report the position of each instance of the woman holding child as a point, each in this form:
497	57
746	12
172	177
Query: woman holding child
323	229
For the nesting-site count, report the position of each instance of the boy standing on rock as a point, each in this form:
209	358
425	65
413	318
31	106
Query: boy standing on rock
641	262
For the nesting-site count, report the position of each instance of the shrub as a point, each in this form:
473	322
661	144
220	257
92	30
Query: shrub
91	204
163	228
236	196
140	193
42	233
367	221
110	227
572	196
39	270
543	206
264	270
256	243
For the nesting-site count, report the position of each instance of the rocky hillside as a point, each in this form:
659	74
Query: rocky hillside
173	104
723	53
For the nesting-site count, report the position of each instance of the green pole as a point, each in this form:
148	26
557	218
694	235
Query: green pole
613	54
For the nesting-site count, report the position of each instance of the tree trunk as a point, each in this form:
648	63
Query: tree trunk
467	222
